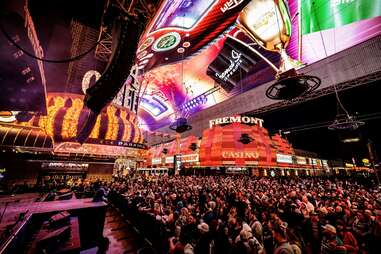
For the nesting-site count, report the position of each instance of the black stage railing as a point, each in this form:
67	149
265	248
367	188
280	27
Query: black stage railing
146	224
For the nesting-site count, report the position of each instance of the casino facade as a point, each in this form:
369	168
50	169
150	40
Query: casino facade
235	144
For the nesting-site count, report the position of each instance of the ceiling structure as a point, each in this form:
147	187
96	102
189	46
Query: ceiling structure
337	43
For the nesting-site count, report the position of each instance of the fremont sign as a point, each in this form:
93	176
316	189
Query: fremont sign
236	119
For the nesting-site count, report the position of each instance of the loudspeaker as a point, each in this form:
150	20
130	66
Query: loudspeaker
51	240
125	35
59	219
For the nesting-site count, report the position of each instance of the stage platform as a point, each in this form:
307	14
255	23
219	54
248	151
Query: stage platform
91	217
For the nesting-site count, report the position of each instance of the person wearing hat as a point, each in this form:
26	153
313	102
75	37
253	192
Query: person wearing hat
331	243
203	244
241	246
246	244
350	242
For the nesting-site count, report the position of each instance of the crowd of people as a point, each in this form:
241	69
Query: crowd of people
242	214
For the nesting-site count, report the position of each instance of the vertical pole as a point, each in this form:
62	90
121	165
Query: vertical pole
177	140
371	157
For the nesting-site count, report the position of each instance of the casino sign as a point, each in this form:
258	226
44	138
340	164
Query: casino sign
240	155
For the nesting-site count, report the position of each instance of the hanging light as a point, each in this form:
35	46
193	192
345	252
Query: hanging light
343	120
291	85
23	116
180	125
245	139
193	146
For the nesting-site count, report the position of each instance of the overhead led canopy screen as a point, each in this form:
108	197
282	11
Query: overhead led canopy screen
187	39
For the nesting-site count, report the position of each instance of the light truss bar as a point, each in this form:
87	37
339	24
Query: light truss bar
321	92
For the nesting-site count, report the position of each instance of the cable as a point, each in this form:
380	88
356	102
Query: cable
9	38
340	104
366	117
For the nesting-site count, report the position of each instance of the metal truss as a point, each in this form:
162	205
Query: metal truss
321	92
104	49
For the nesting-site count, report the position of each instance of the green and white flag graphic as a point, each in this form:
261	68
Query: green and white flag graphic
319	15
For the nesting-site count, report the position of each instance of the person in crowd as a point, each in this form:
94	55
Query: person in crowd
282	246
242	214
203	244
312	232
331	243
349	241
256	227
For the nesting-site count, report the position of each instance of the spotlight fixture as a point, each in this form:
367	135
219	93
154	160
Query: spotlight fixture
193	146
23	116
345	122
180	125
195	102
245	139
290	85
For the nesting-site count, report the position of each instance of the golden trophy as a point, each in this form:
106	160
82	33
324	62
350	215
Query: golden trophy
268	23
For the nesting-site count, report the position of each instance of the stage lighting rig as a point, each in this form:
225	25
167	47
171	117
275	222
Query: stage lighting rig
193	146
290	85
345	122
245	139
180	125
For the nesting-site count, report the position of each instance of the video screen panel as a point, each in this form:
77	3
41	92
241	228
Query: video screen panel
325	27
181	13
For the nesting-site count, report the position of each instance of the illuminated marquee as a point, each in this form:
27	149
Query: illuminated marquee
156	161
284	158
236	119
189	158
168	160
301	160
65	165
